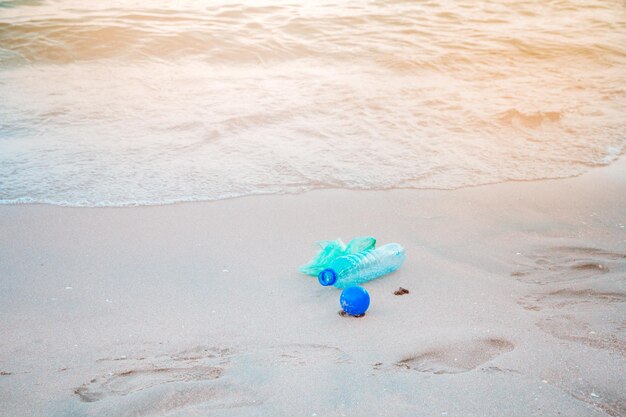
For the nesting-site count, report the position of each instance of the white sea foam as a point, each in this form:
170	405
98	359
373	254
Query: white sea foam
135	105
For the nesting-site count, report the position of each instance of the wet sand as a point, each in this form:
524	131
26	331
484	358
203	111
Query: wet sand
515	305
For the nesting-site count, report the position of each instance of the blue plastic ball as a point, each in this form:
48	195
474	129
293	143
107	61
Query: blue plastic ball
354	300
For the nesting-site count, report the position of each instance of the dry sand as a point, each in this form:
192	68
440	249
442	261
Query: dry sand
516	306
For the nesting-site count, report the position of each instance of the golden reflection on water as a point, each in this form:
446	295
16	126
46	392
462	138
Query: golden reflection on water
165	101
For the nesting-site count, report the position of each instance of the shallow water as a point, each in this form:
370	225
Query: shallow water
158	102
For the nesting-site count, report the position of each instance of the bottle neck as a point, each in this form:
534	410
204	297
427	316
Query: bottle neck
327	277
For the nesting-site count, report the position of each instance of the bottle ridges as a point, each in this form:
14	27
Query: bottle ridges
361	267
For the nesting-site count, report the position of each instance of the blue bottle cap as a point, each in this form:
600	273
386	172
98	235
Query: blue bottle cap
327	277
354	300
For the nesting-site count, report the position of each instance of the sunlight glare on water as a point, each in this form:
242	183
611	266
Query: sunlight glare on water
136	102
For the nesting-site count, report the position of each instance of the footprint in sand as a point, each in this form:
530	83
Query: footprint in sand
575	328
569	276
580	295
200	364
570	297
457	357
303	354
568	263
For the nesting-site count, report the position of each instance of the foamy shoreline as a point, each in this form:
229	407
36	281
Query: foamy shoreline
516	305
157	102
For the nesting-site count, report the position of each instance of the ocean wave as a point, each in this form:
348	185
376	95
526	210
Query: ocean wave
400	34
135	105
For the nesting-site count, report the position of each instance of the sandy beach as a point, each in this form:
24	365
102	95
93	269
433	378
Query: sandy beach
516	305
167	167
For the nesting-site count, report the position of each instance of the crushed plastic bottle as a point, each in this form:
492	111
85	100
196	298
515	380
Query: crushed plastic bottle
332	249
363	266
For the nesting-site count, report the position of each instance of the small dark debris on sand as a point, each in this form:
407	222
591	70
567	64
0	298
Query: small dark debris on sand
401	291
344	314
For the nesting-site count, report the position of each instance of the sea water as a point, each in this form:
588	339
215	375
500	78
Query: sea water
149	102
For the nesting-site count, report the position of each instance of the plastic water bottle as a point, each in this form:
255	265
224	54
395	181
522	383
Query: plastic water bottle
363	266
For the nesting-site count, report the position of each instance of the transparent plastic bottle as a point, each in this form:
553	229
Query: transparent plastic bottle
363	266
